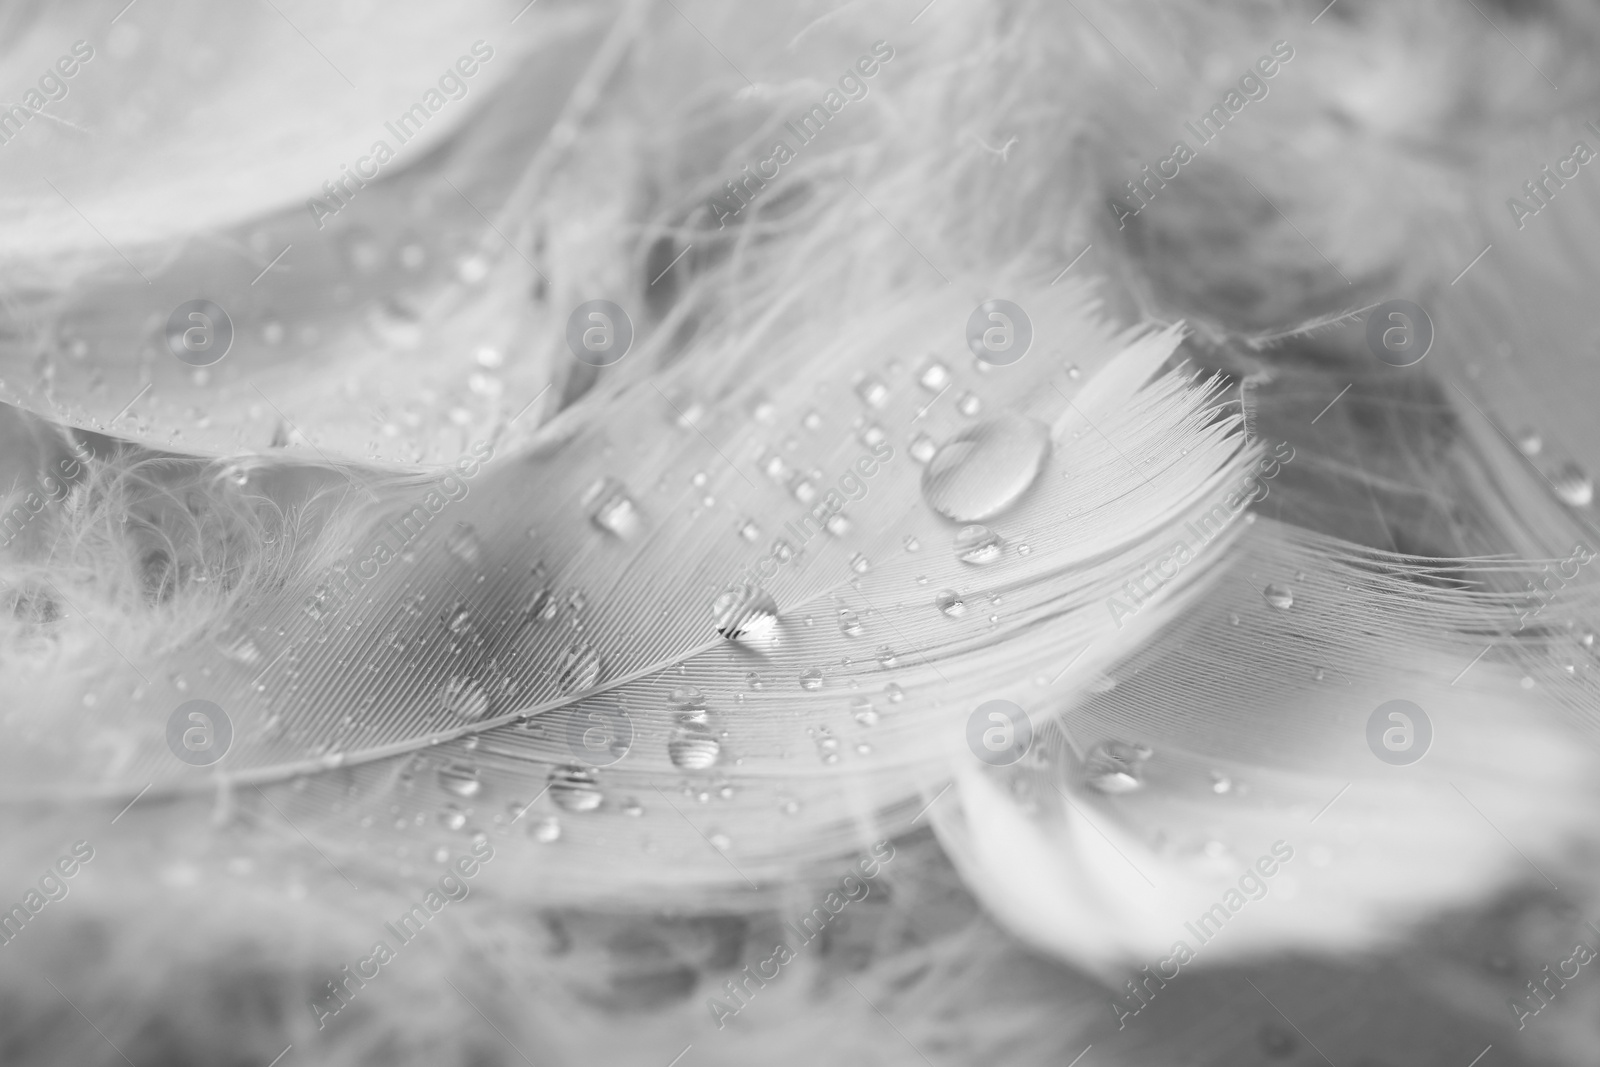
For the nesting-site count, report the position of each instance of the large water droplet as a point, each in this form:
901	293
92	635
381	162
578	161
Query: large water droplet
613	510
978	545
950	602
461	779
1572	485
984	470
1115	766
579	667
694	749
849	623
745	613
463	698
1279	596
575	788
686	696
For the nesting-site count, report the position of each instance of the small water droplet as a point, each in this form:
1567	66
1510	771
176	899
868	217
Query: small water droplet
872	391
849	623
749	530
789	805
631	807
745	613
986	469
575	788
912	544
694	748
458	620
753	680
934	377
612	509
722	841
859	563
1221	783
894	693
1572	485
864	712
977	545
969	404
872	435
546	831
1115	766
950	602
922	448
452	817
811	678
1073	372
1233	618
1530	442
887	656
812	420
1278	596
464	698
461	779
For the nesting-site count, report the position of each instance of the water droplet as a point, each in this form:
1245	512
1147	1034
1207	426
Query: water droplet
849	623
1572	485
804	490
1233	618
859	563
579	668
694	749
461	779
838	525
934	377
541	605
575	788
753	680
722	841
811	678
546	831
1278	596
872	391
912	544
978	545
864	712
745	613
452	817
1221	783
1073	372
922	448
811	421
872	435
631	807
463	698
613	510
950	602
969	404
1530	442
1115	766
894	693
686	696
985	469
458	620
887	656
749	530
